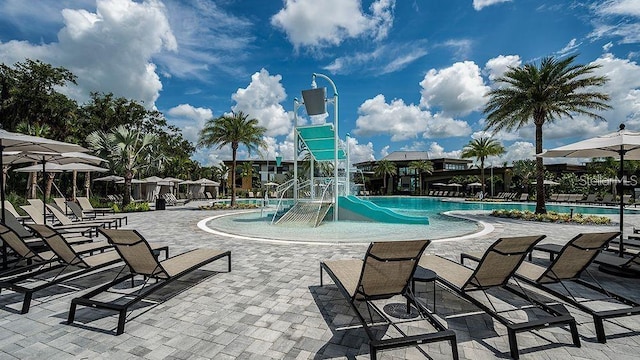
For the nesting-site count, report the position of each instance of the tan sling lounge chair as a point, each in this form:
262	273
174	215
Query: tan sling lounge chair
75	265
86	206
385	271
494	270
569	264
141	260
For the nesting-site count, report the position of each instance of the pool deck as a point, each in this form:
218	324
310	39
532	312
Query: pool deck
271	306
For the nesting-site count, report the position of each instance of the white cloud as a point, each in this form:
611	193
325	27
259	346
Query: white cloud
210	40
571	47
110	50
614	18
387	58
190	119
436	151
620	7
519	150
261	100
384	151
307	25
403	121
360	152
479	4
457	90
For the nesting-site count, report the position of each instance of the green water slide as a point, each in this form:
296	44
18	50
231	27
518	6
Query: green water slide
356	209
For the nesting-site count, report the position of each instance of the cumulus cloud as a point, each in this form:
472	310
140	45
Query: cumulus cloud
190	119
519	150
110	50
360	152
437	151
404	122
300	20
387	58
261	100
457	90
480	4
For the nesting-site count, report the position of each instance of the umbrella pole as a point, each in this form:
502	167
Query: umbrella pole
44	185
2	197
621	246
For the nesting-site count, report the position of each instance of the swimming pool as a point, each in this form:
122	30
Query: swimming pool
257	224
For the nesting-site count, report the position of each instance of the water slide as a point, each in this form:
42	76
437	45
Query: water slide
356	209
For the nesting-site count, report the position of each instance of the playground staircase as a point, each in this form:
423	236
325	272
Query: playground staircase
306	212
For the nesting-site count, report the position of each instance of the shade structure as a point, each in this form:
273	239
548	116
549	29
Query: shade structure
315	101
475	184
320	141
622	144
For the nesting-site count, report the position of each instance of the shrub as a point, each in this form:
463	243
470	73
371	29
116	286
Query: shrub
132	207
552	216
226	206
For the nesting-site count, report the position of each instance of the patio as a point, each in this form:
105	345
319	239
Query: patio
271	306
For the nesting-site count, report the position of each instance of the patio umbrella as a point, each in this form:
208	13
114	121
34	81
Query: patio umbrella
622	144
475	184
271	184
547	182
55	167
109	178
10	141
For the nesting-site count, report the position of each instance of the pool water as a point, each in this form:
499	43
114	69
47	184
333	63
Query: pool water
258	224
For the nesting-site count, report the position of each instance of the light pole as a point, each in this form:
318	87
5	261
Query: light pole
296	105
347	170
335	138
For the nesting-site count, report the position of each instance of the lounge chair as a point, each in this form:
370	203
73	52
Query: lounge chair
64	220
569	264
141	260
385	271
25	253
75	228
607	199
75	265
609	261
61	203
524	197
495	268
8	206
591	199
76	210
86	206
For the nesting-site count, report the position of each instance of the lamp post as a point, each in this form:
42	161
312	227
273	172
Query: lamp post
296	105
335	138
347	169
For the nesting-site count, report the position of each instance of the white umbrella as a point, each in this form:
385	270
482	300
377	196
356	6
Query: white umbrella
10	141
475	184
271	184
109	178
547	182
53	167
623	144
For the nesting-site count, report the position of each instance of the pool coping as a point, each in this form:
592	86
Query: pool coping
202	225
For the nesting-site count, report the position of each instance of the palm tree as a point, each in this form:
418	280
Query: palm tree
234	130
421	166
480	149
555	89
385	168
127	150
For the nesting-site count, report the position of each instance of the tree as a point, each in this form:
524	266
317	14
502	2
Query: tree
30	93
557	88
525	170
385	168
128	150
421	166
480	149
235	129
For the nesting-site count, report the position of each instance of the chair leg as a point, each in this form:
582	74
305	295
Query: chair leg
454	348
513	344
372	352
599	324
574	333
121	320
26	303
72	313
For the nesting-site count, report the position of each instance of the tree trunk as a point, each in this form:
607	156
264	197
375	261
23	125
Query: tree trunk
234	151
34	184
74	185
47	193
484	194
126	199
540	201
421	192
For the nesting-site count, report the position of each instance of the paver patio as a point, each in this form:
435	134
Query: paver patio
271	306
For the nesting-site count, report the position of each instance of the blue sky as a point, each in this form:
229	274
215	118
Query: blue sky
411	75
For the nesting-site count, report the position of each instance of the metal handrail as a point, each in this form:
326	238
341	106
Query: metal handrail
322	200
289	184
